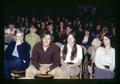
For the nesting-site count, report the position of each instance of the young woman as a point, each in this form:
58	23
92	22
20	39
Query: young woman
71	57
105	60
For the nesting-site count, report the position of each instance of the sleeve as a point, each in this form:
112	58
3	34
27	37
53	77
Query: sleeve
27	54
97	57
8	51
56	55
61	49
79	54
34	58
112	66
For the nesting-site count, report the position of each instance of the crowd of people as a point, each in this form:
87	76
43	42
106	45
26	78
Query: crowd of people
31	46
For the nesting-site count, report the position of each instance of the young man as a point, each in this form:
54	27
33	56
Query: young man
17	55
45	57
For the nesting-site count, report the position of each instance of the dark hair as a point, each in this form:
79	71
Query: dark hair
47	33
74	50
49	23
108	36
17	32
69	26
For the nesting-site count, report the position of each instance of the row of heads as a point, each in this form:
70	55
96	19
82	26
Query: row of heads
43	34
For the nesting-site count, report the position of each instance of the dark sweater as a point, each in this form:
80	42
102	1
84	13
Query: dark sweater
51	55
23	52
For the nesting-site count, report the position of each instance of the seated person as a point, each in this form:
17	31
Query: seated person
92	49
45	57
87	38
71	57
91	52
17	55
9	33
105	60
32	38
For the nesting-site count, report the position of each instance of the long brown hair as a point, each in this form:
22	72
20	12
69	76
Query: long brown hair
74	49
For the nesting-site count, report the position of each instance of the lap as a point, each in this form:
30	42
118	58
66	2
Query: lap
14	64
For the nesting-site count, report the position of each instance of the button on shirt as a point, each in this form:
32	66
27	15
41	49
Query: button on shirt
105	56
68	55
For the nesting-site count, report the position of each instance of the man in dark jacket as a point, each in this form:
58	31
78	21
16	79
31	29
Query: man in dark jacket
17	55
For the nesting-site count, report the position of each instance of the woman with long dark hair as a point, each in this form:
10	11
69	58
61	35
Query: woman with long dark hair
71	57
105	60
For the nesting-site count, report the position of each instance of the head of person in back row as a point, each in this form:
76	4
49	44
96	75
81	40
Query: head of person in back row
45	56
71	57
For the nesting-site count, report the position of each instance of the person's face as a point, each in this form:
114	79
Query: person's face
11	26
98	27
32	30
19	37
43	24
106	41
61	24
70	39
87	32
68	29
46	40
50	27
78	22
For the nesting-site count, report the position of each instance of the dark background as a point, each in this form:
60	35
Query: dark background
104	8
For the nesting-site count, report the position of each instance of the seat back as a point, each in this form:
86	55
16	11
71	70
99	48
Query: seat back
59	44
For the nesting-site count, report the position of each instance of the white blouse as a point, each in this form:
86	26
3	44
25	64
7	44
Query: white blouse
85	39
79	54
105	56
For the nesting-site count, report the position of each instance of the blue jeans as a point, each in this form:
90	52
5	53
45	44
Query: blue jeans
14	63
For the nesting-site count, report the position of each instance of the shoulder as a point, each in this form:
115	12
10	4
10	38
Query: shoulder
27	35
54	46
112	49
37	35
8	29
62	47
26	44
100	48
12	43
78	46
38	44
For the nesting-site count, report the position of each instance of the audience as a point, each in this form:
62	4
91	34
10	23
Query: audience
87	33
